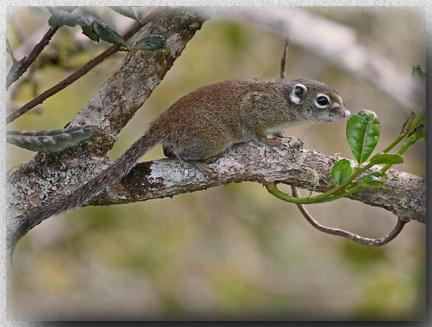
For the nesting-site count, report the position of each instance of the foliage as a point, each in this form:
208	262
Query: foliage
215	252
96	30
363	132
58	140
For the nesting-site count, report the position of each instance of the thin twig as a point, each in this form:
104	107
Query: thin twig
335	231
61	85
81	71
283	60
353	237
14	74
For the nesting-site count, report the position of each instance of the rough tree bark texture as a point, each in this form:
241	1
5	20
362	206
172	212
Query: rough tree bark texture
51	175
405	195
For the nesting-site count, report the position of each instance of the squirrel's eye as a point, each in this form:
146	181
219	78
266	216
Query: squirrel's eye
322	101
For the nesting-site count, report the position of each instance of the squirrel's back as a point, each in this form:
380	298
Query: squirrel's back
206	122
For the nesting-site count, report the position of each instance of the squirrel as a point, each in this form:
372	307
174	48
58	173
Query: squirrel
203	124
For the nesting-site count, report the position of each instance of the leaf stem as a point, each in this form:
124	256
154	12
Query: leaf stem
417	121
342	189
420	119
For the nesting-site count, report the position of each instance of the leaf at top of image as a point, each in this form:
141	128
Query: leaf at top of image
54	9
88	31
125	11
107	34
61	18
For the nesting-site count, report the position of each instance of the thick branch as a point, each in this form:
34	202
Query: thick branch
50	175
405	195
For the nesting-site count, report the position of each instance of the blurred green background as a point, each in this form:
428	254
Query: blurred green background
232	252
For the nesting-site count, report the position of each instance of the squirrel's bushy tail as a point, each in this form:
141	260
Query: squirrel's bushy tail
78	197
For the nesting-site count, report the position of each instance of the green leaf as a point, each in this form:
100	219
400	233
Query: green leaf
373	176
363	132
108	34
376	183
385	158
419	134
50	140
341	171
418	71
150	42
88	31
125	11
61	18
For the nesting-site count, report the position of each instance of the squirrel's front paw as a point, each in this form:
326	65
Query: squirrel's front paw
292	142
284	142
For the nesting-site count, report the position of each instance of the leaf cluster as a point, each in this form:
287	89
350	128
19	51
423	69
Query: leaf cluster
57	140
97	31
363	133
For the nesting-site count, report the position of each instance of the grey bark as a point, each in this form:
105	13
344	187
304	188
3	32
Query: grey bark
48	176
405	195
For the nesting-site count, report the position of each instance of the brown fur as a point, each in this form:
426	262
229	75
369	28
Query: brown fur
205	123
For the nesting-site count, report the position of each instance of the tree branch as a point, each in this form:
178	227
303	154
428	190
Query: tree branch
348	235
81	71
49	175
24	64
405	195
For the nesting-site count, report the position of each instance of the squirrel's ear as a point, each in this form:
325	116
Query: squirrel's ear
298	94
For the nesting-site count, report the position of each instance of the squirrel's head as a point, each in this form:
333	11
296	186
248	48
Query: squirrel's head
317	101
